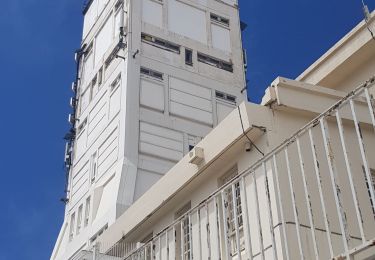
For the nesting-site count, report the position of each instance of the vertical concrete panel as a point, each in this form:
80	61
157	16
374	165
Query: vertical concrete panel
107	199
152	95
223	109
103	40
101	5
221	38
183	17
90	18
152	13
114	102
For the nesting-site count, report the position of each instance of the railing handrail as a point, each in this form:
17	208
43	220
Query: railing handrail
352	94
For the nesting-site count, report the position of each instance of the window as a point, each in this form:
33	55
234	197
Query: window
79	219
231	210
98	234
244	54
160	43
118	4
82	126
183	233
94	87
88	64
87	212
219	19
193	141
152	73
372	175
224	65
225	97
72	223
93	167
100	77
116	83
188	57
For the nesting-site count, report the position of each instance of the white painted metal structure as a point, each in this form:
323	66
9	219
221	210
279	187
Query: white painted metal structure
311	197
155	77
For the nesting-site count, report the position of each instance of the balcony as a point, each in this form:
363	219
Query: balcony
312	197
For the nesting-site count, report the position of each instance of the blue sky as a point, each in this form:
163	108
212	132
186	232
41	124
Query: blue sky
38	40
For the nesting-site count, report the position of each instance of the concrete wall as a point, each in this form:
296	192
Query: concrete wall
134	127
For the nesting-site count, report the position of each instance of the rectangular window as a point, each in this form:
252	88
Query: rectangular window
219	19
82	126
88	65
79	219
188	57
98	234
100	77
160	43
152	73
183	233
193	141
224	65
94	88
368	185
93	167
72	223
87	211
232	210
118	4
116	83
244	53
119	20
226	97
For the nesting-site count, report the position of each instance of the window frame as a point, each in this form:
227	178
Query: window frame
72	226
93	166
161	43
152	74
184	229
215	62
189	58
225	97
220	20
228	204
87	212
79	219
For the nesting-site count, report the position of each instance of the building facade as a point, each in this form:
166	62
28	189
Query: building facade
153	78
291	178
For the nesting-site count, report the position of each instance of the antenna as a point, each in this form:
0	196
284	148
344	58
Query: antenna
367	15
366	11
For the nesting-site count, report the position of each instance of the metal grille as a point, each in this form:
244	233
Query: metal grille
185	238
233	207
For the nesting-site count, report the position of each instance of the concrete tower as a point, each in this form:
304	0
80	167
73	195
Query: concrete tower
154	77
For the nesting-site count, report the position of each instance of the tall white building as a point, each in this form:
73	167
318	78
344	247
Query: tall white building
290	178
153	78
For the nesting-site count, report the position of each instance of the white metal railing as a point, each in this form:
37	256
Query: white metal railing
312	197
112	252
